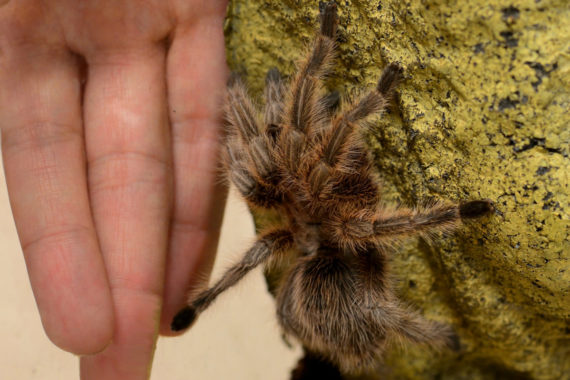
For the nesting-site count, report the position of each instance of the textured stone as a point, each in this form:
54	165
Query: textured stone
483	113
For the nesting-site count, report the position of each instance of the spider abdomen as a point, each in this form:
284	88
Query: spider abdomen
323	303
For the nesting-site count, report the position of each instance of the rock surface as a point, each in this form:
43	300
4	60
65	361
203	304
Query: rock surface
483	113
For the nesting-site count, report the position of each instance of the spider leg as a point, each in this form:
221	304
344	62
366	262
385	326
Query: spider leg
270	243
376	100
384	307
250	153
303	104
274	88
386	226
346	124
304	109
411	326
339	145
240	112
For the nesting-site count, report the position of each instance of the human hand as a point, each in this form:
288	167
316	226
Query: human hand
109	113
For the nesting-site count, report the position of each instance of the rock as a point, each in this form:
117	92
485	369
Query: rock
483	113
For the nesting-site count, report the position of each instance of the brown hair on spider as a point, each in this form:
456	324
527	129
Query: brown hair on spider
309	162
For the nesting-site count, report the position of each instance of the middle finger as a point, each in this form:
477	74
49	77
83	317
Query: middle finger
129	162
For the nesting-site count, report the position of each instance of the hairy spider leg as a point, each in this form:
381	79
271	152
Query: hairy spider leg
273	93
373	102
406	324
340	170
250	150
241	114
387	226
306	110
268	244
303	106
337	137
387	310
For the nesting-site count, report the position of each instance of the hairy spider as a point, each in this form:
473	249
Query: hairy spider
309	162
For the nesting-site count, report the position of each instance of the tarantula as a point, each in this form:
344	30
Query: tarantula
310	163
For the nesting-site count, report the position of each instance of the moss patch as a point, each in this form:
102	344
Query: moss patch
483	113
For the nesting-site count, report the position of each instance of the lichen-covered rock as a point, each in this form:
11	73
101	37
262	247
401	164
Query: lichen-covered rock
484	113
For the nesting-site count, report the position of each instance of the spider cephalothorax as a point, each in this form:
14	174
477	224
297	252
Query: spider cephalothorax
309	163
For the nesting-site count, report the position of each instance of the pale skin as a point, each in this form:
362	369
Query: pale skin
110	117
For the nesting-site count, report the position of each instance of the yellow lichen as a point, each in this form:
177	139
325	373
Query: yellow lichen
483	113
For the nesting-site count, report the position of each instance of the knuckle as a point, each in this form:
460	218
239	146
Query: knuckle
121	170
39	135
56	238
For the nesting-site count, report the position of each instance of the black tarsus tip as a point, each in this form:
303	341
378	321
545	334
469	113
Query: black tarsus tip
455	342
273	75
183	319
329	19
331	101
475	209
390	77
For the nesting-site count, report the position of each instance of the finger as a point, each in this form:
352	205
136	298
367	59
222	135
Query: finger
196	80
129	164
44	160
